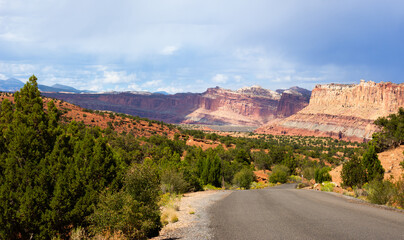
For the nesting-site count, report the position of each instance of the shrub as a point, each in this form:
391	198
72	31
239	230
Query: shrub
308	173
399	193
380	192
322	175
134	211
173	181
353	173
279	174
294	179
244	178
327	187
371	162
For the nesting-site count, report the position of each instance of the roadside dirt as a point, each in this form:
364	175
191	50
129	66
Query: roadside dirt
193	221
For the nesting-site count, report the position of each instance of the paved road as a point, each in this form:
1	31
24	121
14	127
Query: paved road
287	213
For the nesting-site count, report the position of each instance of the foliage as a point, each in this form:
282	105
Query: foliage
392	134
353	173
294	179
279	174
322	175
327	187
134	210
308	173
244	178
380	192
372	164
399	192
173	181
261	160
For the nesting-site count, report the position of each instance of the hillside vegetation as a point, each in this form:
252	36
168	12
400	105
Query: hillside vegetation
60	177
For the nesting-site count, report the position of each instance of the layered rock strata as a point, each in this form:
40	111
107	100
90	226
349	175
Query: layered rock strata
251	106
342	111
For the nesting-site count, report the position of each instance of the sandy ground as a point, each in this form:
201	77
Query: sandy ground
193	221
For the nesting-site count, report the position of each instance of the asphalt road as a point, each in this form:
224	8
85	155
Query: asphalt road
287	213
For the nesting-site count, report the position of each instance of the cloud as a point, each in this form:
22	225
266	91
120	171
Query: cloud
220	78
290	42
169	50
133	87
238	78
170	89
117	77
152	83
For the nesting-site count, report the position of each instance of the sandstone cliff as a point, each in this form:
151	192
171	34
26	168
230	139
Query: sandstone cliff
342	111
251	106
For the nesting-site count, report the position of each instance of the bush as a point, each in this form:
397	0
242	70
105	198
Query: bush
294	179
380	192
322	175
244	178
372	164
134	210
173	181
327	187
308	173
353	173
399	193
279	174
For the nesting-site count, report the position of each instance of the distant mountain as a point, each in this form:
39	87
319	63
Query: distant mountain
162	92
13	84
10	85
64	87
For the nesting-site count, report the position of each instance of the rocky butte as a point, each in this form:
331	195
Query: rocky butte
250	106
342	111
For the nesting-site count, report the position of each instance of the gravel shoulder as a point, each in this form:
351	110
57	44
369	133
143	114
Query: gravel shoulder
193	221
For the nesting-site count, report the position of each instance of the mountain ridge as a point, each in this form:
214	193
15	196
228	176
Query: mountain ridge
250	106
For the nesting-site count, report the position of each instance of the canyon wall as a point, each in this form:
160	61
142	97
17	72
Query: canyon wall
342	111
250	106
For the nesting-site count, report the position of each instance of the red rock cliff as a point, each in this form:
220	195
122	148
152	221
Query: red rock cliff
252	106
342	111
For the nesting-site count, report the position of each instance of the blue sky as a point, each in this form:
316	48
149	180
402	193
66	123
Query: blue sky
190	45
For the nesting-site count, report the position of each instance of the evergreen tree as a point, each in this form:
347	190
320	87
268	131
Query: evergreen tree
372	164
353	172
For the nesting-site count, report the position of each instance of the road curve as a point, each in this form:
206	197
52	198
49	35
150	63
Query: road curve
287	213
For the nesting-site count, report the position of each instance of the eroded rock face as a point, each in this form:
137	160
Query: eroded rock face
342	111
251	106
292	101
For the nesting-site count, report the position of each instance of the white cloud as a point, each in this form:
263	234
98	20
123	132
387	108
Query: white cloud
16	68
220	78
117	77
134	87
238	78
2	76
152	83
170	89
169	50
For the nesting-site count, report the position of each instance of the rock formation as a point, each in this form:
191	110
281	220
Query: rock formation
250	106
342	111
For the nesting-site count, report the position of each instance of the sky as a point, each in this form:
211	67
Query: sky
191	45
